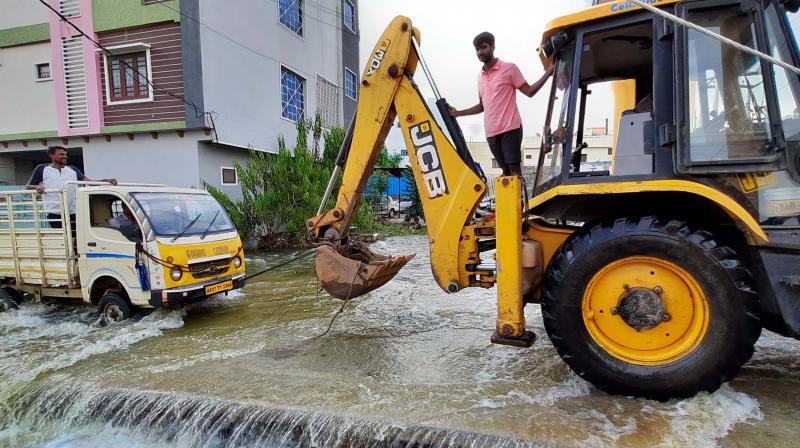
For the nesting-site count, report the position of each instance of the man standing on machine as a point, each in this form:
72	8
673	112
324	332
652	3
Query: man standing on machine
498	82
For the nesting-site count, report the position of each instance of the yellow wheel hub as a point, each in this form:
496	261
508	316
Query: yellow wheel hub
672	333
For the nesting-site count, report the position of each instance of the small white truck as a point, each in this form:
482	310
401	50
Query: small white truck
175	246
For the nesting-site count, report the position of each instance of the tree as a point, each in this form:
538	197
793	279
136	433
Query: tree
414	212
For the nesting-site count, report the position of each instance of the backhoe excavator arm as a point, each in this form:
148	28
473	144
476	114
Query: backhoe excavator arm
450	186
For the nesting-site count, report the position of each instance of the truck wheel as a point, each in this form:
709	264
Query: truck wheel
7	302
392	213
113	308
650	309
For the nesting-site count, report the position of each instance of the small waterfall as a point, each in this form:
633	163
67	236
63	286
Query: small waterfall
56	407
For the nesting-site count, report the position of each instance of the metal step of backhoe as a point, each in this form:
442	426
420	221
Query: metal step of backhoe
526	340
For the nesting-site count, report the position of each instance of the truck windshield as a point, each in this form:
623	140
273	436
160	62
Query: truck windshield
170	213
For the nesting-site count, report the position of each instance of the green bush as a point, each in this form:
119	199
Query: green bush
280	191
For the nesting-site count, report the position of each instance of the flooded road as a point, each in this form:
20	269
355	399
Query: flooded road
406	365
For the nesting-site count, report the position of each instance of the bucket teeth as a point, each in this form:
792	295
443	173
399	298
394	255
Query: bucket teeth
354	270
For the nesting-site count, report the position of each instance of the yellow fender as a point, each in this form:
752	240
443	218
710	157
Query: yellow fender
744	220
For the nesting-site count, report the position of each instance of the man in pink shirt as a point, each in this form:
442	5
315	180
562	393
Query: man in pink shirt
498	82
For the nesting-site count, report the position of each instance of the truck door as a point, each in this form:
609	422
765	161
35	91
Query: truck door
109	246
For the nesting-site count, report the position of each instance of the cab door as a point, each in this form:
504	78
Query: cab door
728	120
105	250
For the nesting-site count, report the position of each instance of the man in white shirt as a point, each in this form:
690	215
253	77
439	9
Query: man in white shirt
53	176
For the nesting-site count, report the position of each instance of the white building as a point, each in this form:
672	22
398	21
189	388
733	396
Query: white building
189	85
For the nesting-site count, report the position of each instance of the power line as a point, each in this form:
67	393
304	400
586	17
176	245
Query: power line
236	42
198	112
230	39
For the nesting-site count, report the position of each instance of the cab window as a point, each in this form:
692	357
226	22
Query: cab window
109	211
728	119
616	98
557	125
787	84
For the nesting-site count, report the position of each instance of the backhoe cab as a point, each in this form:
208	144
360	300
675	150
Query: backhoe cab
657	272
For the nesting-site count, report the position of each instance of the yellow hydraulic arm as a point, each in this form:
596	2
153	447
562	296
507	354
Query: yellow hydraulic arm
450	187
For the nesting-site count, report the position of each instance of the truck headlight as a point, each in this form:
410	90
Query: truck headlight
175	274
237	262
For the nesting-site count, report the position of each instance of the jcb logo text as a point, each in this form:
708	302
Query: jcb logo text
428	159
377	58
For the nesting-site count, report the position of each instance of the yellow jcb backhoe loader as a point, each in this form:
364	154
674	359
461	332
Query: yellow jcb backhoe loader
655	275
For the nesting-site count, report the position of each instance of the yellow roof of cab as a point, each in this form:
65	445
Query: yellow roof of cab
596	12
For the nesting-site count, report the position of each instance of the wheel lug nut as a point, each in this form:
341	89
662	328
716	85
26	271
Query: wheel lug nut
658	290
666	318
614	310
626	286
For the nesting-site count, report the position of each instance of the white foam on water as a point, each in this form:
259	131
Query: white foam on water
703	419
113	337
489	404
572	387
214	355
605	431
51	330
29	315
93	436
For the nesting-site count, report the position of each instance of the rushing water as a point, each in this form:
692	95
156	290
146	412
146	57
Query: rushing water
406	365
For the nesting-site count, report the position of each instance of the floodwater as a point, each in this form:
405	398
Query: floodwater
407	365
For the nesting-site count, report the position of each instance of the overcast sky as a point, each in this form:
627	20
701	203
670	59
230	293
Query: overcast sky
448	27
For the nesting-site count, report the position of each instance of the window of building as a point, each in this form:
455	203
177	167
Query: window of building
528	156
229	175
292	97
350	82
327	102
69	8
404	152
610	151
495	164
127	73
349	15
43	72
584	158
290	14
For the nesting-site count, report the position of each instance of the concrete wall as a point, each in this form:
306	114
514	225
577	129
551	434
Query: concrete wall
212	157
25	12
26	105
170	159
243	87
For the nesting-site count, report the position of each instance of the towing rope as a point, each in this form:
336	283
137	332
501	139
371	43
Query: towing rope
167	264
716	36
279	265
186	268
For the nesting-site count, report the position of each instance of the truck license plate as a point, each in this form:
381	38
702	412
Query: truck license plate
219	287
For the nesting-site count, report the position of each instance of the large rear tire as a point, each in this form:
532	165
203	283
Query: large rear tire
651	309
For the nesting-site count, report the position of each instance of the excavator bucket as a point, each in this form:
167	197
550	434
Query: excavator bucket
354	270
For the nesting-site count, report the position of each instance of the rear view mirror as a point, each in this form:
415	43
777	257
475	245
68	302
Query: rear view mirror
555	43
